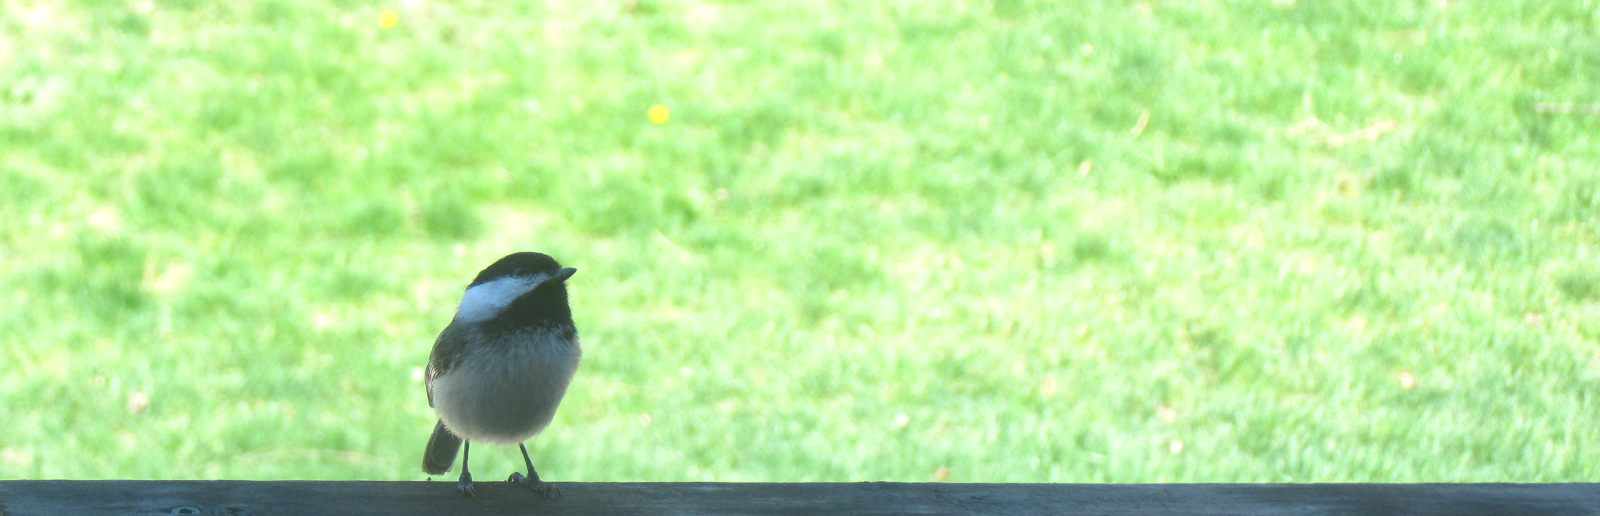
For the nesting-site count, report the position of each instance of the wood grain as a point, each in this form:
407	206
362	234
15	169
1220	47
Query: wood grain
252	498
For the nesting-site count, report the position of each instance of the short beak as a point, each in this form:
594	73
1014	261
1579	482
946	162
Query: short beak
563	274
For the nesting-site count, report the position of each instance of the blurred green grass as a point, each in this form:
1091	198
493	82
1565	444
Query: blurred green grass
962	240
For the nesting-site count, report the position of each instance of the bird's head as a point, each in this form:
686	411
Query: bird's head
510	278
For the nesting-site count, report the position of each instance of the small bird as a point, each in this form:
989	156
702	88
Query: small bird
499	370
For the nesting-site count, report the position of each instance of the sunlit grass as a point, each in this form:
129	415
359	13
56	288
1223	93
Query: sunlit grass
965	241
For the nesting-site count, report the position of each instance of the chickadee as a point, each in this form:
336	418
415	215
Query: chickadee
499	369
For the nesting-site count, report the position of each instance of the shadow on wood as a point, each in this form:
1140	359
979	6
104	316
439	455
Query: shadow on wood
247	498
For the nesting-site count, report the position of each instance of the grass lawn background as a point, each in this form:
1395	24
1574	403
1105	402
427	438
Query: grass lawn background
1009	241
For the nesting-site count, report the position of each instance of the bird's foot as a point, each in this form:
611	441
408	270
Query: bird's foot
549	492
465	485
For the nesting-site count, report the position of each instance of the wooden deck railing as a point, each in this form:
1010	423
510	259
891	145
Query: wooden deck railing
306	498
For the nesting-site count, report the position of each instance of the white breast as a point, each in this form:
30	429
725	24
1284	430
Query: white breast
505	393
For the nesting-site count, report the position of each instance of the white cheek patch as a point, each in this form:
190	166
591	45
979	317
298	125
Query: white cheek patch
485	300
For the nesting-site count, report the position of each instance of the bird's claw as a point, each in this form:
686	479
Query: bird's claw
549	492
465	485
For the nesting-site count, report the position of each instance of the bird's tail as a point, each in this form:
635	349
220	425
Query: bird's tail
441	452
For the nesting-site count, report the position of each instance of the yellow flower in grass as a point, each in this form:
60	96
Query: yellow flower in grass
658	114
388	19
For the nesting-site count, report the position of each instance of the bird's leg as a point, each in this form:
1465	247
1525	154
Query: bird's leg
464	484
532	481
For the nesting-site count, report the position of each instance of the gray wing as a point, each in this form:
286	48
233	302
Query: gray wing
446	354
